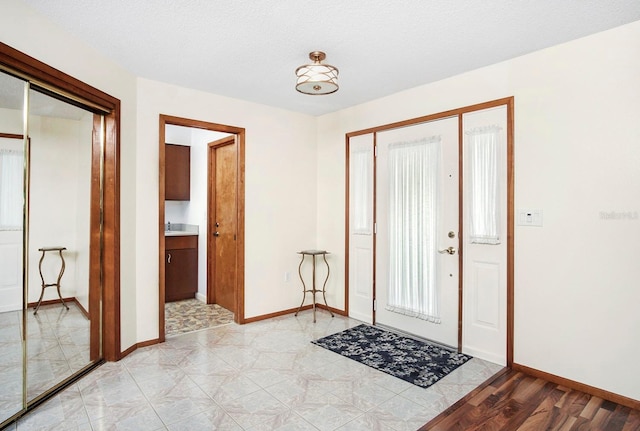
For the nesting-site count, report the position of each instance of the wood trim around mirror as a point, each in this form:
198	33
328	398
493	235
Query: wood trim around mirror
26	67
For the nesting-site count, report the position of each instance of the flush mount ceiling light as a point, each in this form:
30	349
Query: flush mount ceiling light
317	78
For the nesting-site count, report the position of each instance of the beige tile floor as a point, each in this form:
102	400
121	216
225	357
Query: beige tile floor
10	363
260	376
57	347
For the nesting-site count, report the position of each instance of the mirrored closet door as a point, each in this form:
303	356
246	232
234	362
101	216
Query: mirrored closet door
12	159
51	154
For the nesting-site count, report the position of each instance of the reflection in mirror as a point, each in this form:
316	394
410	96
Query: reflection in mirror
11	220
58	319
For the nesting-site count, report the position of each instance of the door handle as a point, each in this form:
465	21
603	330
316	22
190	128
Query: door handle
216	233
448	250
168	257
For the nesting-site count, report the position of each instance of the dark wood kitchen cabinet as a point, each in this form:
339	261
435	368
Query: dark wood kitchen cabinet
177	177
181	267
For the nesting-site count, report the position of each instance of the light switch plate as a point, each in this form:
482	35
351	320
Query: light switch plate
527	217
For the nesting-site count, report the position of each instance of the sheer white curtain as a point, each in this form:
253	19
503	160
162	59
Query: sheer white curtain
484	204
414	184
361	181
11	193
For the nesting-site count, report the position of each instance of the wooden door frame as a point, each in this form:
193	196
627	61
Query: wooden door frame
508	102
165	120
211	205
106	266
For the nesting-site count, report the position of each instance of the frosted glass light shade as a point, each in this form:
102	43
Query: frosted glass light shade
317	78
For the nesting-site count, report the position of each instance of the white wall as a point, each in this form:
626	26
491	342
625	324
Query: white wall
197	208
11	121
59	204
28	31
59	201
577	149
280	193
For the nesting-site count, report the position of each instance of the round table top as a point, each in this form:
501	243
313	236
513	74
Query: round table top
313	252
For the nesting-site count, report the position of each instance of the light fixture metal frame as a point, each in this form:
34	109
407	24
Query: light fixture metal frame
316	78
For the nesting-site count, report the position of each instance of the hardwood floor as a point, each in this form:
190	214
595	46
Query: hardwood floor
515	401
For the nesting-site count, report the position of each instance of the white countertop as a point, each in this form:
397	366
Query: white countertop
179	233
180	229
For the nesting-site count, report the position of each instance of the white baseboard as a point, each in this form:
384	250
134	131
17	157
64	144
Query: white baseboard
200	297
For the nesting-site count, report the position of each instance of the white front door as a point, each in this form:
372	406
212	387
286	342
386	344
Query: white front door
417	225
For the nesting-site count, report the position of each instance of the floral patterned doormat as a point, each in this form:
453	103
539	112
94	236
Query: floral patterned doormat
413	361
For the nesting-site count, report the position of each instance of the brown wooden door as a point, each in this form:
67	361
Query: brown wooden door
223	223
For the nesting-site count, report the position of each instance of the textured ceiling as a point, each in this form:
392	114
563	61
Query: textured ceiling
249	49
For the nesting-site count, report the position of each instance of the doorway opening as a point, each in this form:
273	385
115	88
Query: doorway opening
201	230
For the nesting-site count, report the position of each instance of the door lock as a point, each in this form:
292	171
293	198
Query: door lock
216	233
448	250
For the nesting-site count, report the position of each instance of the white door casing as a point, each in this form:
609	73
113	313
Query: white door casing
445	332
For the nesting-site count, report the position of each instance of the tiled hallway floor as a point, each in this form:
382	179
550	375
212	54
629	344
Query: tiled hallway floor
260	376
57	347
